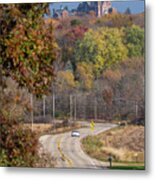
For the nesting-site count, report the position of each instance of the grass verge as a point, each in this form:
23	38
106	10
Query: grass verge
128	167
125	144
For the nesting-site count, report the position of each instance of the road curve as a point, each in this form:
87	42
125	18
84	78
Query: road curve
68	151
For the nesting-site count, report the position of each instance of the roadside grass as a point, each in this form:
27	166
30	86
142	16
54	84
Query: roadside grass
39	127
128	167
125	144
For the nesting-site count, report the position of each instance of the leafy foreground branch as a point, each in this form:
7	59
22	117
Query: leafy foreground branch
19	146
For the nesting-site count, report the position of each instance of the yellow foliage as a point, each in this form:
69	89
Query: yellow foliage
65	80
85	73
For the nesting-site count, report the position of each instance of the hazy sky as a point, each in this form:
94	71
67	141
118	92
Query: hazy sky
135	6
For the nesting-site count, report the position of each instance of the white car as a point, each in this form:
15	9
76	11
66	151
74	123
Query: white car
75	133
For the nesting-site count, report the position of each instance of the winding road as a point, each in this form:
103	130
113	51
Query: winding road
68	151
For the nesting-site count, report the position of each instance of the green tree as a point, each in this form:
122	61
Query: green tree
102	47
68	42
134	40
75	22
128	11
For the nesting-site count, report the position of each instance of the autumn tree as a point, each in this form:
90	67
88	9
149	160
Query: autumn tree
27	45
84	73
102	48
28	50
68	42
107	95
133	77
65	81
116	20
126	82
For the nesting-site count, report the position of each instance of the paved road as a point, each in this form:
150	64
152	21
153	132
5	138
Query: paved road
68	151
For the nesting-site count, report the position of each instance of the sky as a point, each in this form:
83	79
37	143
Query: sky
136	6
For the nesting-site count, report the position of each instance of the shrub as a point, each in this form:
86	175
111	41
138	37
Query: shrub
75	22
15	100
65	123
18	144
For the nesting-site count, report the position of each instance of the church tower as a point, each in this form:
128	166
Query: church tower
105	6
99	4
101	7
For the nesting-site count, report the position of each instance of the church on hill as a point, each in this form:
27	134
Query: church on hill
99	7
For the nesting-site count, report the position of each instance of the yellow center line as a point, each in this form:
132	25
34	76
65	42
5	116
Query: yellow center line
63	156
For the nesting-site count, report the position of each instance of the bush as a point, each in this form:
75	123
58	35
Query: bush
75	22
65	123
18	144
15	101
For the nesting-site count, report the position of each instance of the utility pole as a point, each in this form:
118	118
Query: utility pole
32	113
53	105
85	108
44	106
71	109
136	108
95	109
53	108
75	108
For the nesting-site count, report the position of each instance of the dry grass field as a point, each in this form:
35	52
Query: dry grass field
125	144
42	129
